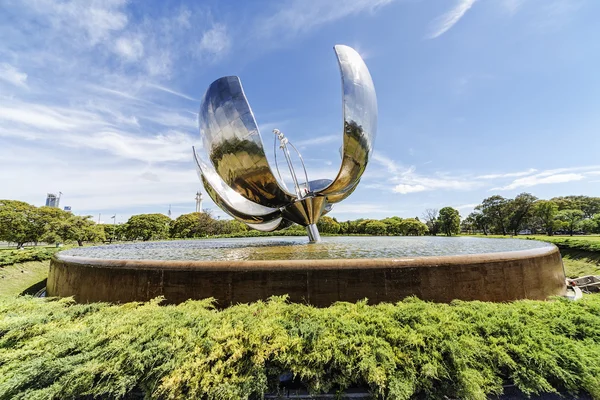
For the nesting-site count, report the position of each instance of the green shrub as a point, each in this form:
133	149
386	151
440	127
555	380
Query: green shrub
58	349
13	256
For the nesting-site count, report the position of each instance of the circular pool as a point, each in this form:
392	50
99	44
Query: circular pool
337	269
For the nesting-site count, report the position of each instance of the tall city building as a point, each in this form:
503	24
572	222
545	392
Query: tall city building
198	201
53	200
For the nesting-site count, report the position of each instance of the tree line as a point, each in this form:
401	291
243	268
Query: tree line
528	214
23	223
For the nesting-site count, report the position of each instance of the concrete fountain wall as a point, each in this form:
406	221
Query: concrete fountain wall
525	274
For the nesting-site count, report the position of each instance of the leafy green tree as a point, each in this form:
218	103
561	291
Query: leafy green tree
596	219
430	216
468	225
545	211
496	209
148	226
361	225
413	227
571	219
589	225
76	228
18	222
520	211
449	221
481	222
393	225
192	225
328	225
375	228
235	226
45	219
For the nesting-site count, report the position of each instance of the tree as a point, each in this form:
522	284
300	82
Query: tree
430	216
496	210
17	222
468	225
480	221
148	226
571	219
545	211
413	227
375	228
44	219
328	225
194	225
393	225
589	225
449	221
521	209
77	228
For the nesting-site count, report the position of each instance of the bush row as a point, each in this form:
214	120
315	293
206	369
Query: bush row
58	349
13	256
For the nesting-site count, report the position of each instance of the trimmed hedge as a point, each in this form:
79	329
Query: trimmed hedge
52	348
13	256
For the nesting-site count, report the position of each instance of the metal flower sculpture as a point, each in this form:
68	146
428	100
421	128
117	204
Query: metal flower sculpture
235	171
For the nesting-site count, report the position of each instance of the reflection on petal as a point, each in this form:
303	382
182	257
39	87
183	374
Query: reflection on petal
360	123
234	145
230	201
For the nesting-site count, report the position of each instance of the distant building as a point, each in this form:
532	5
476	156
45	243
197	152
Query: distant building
53	200
67	208
198	201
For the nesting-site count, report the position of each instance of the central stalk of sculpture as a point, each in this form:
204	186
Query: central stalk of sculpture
233	165
311	229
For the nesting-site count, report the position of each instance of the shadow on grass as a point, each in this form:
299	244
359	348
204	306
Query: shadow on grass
34	289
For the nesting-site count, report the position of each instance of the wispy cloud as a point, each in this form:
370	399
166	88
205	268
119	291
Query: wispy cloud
559	175
12	75
317	140
508	174
294	17
364	209
406	180
446	21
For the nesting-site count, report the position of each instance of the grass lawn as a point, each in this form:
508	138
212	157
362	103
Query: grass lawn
581	254
16	278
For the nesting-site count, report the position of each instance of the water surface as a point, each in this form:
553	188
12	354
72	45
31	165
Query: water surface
297	248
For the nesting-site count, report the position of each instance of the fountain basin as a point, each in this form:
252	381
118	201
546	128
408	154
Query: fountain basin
382	269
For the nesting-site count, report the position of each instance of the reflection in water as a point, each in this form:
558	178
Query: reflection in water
285	248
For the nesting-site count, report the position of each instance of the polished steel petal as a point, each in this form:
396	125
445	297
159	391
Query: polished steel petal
274	225
306	211
360	123
230	201
234	145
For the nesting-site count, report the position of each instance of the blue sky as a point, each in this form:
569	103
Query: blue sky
99	99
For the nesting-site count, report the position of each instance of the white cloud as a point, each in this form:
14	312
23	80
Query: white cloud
12	75
174	92
215	41
294	17
317	140
444	22
509	174
387	162
541	180
469	206
93	20
364	209
404	188
131	49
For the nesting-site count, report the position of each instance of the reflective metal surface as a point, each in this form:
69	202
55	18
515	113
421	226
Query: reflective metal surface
237	175
360	122
234	145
